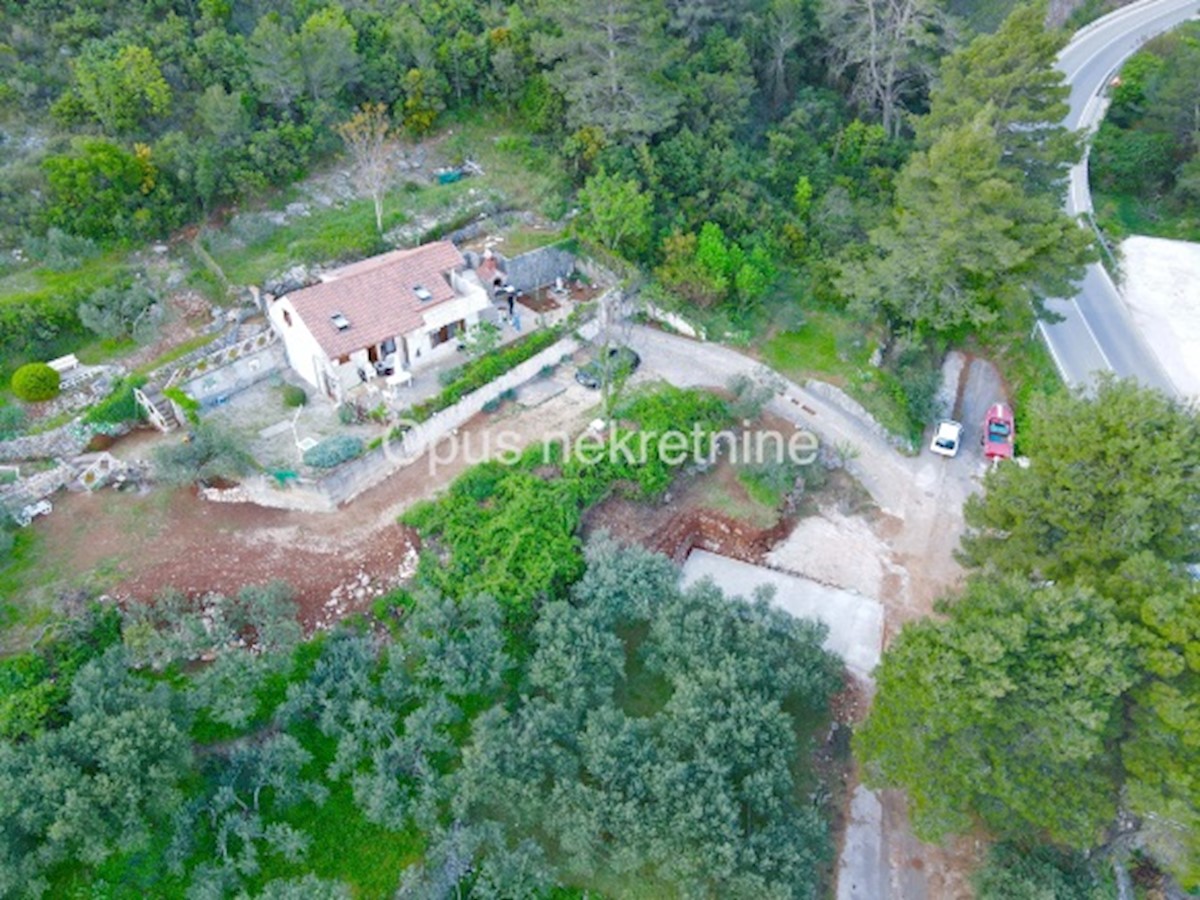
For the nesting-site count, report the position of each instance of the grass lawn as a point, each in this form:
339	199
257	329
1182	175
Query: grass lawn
37	292
327	234
33	282
15	574
195	343
516	173
522	240
831	347
724	492
528	175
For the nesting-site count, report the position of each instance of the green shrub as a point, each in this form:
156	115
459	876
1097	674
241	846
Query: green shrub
119	406
488	368
1014	872
449	376
511	532
392	607
36	382
333	451
294	396
482	371
12	422
212	453
190	405
59	251
769	481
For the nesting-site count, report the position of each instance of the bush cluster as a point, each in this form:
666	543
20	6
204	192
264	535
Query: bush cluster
119	406
36	382
511	533
485	370
294	396
333	451
12	422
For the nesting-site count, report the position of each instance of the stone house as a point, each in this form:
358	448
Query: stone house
379	317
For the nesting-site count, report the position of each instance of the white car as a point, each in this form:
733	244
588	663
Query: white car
947	437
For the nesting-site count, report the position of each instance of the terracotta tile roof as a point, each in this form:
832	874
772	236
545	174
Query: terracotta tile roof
376	296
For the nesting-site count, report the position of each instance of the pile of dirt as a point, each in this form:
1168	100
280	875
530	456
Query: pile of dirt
539	301
329	584
704	529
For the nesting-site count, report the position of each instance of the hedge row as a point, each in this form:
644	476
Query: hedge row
485	370
333	451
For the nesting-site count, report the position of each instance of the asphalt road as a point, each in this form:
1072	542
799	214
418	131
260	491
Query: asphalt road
1097	333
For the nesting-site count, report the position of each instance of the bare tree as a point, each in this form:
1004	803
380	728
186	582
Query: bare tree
612	340
889	48
786	29
370	141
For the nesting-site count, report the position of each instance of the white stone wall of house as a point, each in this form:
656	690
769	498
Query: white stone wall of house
304	354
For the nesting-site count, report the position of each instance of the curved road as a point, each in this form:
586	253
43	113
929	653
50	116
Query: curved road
1097	333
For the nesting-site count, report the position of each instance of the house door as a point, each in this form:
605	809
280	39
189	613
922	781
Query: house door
373	354
443	335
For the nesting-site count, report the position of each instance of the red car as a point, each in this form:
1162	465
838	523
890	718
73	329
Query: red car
998	432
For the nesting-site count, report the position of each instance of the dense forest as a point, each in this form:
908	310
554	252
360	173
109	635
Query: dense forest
1058	696
567	719
738	154
1145	162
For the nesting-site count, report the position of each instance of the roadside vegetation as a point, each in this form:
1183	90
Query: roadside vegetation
1145	162
1055	701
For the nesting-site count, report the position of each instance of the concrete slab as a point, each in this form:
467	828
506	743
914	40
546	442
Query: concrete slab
1162	291
855	622
862	869
275	430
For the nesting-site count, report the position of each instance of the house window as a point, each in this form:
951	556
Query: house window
344	359
287	318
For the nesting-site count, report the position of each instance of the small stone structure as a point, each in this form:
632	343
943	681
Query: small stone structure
531	270
95	470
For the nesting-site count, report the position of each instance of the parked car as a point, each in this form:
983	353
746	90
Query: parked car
998	432
947	437
621	362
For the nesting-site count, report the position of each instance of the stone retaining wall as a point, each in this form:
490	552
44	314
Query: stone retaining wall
838	397
65	442
36	486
